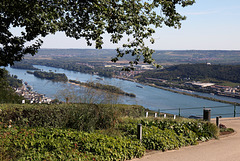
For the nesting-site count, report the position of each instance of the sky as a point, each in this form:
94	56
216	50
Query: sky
210	25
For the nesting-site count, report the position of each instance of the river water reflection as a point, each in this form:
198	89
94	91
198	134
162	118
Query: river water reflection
149	97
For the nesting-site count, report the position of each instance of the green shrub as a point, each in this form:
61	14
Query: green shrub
47	132
64	144
87	117
203	130
166	134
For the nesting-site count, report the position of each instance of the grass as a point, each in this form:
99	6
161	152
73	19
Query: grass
220	82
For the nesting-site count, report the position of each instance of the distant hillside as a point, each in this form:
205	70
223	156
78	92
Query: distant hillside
81	55
196	72
165	57
197	56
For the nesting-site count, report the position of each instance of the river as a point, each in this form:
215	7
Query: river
149	97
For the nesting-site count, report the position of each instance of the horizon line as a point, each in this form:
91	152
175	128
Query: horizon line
153	49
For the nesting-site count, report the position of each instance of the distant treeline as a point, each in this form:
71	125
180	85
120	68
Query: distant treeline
160	56
22	65
74	65
195	72
104	87
58	77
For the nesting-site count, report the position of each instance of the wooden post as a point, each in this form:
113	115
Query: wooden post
139	132
174	117
146	114
155	115
234	110
207	114
217	121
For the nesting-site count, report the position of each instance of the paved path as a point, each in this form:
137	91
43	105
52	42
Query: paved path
224	149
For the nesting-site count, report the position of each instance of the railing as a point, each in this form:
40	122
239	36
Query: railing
224	111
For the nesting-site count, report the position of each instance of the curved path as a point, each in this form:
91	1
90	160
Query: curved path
226	148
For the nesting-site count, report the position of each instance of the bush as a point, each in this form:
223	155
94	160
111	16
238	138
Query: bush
64	144
166	134
86	117
49	132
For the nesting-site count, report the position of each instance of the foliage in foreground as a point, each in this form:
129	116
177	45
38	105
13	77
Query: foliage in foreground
167	134
86	117
64	144
51	132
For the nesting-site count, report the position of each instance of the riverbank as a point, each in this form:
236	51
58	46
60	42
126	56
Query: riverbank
33	97
179	92
193	95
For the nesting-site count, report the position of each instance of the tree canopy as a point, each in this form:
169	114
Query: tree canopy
88	19
196	72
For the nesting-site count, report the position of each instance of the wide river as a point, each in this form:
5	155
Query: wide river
149	97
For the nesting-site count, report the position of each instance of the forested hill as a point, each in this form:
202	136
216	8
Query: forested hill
196	72
165	57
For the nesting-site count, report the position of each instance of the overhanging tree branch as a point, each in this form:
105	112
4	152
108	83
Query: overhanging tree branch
88	19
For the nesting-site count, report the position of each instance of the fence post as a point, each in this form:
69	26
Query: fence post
207	114
179	112
146	114
165	115
139	132
234	110
217	121
155	115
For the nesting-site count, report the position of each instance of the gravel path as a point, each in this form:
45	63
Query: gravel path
226	148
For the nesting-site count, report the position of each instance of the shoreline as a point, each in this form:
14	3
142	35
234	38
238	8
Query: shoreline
193	95
85	86
184	93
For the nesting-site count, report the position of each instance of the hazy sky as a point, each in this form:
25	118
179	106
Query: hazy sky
210	25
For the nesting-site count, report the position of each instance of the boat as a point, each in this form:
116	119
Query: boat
139	86
100	78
